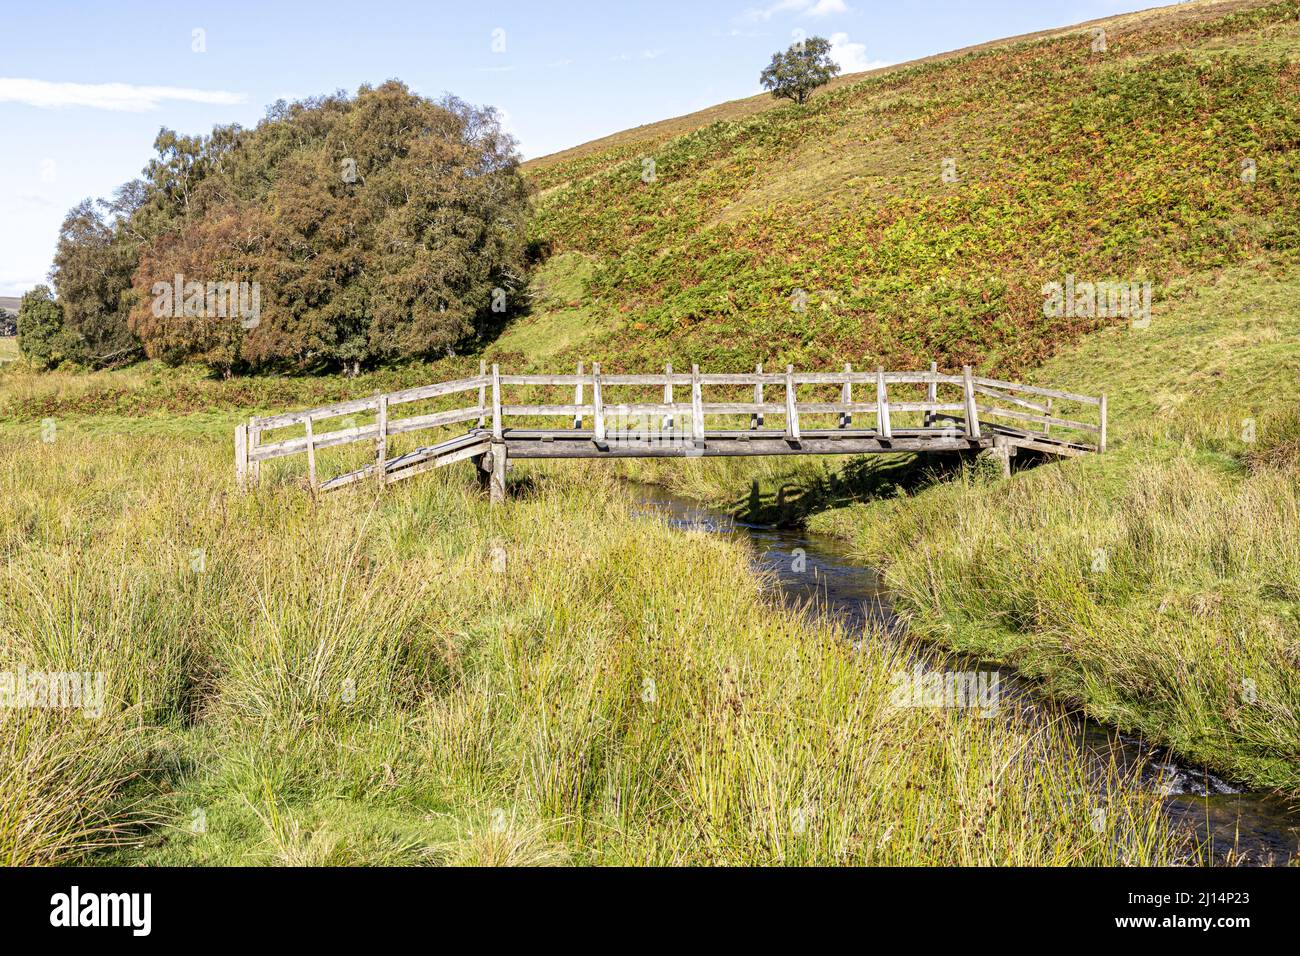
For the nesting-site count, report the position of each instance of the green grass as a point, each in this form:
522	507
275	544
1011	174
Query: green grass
1155	585
561	317
8	348
350	681
1158	584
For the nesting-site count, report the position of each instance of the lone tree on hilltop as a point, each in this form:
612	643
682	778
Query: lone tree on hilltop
798	71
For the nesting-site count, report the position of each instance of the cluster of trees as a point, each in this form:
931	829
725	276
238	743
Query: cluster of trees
362	229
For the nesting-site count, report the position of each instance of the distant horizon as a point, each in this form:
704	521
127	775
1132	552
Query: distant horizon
81	124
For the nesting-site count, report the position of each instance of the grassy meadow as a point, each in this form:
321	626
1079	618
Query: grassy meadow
411	677
1155	585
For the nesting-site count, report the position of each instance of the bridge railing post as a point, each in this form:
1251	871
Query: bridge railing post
668	396
791	407
972	411
697	406
1101	436
497	430
381	441
932	395
254	439
482	394
756	420
599	403
241	456
882	405
577	400
846	396
311	456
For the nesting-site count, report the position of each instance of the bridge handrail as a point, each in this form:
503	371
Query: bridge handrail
1025	410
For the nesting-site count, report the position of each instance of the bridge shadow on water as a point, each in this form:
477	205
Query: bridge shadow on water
862	478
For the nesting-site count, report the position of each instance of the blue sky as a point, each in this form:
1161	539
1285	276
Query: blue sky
85	86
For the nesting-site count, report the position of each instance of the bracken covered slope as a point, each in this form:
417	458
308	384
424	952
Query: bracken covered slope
829	232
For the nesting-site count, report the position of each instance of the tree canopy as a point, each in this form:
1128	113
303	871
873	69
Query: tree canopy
362	229
41	335
794	74
92	270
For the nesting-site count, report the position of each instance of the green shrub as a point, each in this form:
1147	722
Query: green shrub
41	333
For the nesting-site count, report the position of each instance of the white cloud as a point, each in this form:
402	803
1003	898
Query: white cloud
643	55
852	57
809	8
16	284
119	97
508	126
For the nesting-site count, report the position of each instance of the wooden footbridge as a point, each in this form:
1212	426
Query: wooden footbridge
921	412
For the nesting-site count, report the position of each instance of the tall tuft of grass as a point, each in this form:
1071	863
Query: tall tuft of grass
60	776
1277	444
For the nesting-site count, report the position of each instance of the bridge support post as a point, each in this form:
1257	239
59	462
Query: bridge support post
1000	454
497	483
241	456
254	439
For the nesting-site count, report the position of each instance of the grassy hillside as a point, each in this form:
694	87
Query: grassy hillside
557	168
1115	165
1158	584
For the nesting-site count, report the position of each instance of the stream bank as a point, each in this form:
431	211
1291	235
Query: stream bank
818	574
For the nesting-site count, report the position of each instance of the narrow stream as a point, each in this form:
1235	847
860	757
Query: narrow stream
817	572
